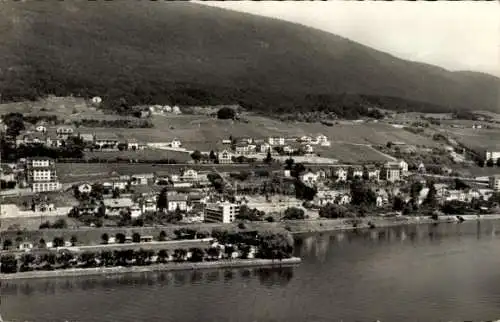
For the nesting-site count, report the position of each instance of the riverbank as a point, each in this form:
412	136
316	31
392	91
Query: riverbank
184	266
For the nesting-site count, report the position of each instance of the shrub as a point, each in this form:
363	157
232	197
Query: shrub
226	113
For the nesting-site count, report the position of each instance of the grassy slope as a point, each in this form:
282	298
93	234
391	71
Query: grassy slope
106	44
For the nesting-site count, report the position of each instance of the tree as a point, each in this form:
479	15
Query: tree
73	240
58	242
212	156
431	199
490	163
213	253
289	164
226	113
162	256
116	193
293	213
7	244
196	156
179	255
398	204
105	238
498	162
8	264
120	238
268	158
162	236
362	194
136	237
460	185
197	255
333	211
60	224
42	243
101	210
161	203
415	189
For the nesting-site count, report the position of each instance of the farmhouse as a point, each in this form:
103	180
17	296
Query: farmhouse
225	157
106	141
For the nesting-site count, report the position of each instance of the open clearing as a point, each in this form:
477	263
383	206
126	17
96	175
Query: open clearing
477	139
351	153
147	155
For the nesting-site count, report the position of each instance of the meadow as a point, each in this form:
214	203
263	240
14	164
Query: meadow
146	155
477	139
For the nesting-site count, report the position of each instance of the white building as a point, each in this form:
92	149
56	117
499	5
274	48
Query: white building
189	175
85	188
41	174
276	140
391	172
264	147
309	177
341	174
308	148
403	166
492	155
176	201
322	140
495	182
225	157
225	212
41	128
175	143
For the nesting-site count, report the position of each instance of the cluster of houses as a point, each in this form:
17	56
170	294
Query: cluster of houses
55	138
250	146
165	109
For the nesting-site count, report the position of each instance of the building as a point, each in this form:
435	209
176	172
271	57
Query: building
177	201
276	140
309	178
493	155
305	139
132	144
403	166
189	175
308	148
64	132
495	182
340	174
391	172
322	140
225	157
41	128
371	172
108	141
241	148
175	143
355	171
115	206
85	188
140	179
41	174
264	147
225	212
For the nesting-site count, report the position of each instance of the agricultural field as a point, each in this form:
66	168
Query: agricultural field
351	153
72	172
146	154
477	139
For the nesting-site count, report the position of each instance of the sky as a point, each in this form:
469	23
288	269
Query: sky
454	35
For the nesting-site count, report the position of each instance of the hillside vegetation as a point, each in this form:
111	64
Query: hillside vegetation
132	52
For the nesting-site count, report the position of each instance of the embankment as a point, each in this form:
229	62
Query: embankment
236	263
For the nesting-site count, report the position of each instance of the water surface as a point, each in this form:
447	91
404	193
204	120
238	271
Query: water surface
414	273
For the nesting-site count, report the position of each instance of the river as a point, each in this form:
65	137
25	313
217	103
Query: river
410	273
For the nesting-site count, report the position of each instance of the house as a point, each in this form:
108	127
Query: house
421	167
494	182
225	157
493	155
241	148
31	138
175	143
132	144
340	174
371	172
140	179
383	194
289	149
322	140
148	205
305	139
64	131
41	128
106	141
403	165
6	173
115	206
176	201
189	175
264	147
457	195
343	199
225	212
276	140
135	211
308	148
87	138
391	172
309	178
227	141
85	188
355	171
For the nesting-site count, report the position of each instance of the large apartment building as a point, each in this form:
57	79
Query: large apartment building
223	212
495	182
41	174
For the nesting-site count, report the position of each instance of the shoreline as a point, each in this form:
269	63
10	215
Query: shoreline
327	225
184	266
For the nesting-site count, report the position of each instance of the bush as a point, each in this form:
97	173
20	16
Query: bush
270	219
226	113
241	226
294	214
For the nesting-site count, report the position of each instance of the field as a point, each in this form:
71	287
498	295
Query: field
147	154
66	108
71	172
351	153
477	139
